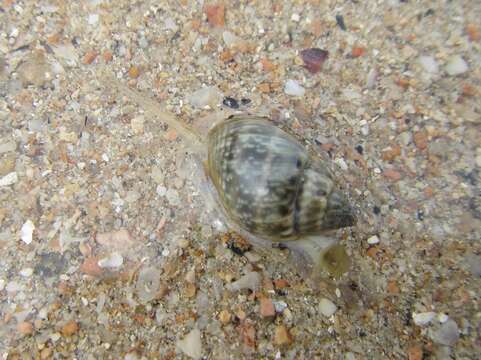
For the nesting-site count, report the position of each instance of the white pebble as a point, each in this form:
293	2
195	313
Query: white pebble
442	318
27	231
327	307
429	64
295	17
161	190
105	157
2	284
423	318
447	334
456	66
373	240
191	344
114	260
93	19
26	272
341	163
292	87
9	179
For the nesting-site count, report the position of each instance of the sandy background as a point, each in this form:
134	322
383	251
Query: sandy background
108	247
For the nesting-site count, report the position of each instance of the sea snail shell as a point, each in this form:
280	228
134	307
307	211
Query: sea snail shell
269	185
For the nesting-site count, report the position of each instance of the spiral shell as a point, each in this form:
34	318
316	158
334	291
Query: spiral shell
269	184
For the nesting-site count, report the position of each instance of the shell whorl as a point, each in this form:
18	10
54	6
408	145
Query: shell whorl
269	185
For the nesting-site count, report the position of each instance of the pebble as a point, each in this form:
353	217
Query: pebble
456	66
113	260
446	334
9	179
191	344
215	14
282	336
251	281
91	267
293	88
27	231
2	284
224	317
429	64
327	307
26	272
206	96
25	328
137	124
230	102
69	328
373	240
313	59
423	318
172	197
267	308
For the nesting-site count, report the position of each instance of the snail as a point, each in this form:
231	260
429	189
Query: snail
267	184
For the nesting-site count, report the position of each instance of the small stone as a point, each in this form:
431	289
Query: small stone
113	260
442	318
215	14
373	240
230	102
224	317
46	353
251	281
429	64
9	179
107	56
282	336
93	19
327	307
89	57
456	66
26	233
420	139
392	174
281	283
137	125
415	352
134	72
293	88
26	272
424	318
25	328
69	328
191	344
90	267
267	308
313	59
473	32
357	51
446	334
264	87
206	96
172	197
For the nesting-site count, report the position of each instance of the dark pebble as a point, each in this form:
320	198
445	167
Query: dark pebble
314	58
231	102
376	210
340	22
245	101
420	215
359	149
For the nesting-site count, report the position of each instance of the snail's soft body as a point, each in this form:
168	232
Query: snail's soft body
267	183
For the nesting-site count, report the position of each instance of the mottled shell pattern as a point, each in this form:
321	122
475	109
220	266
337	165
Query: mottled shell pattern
269	184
